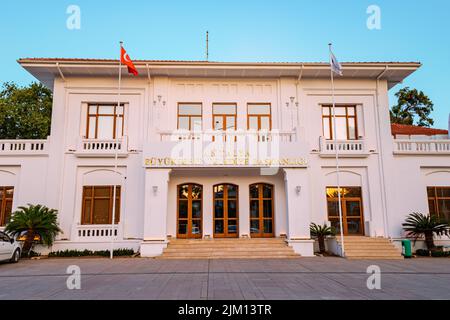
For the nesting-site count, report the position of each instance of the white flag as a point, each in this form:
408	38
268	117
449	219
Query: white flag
335	65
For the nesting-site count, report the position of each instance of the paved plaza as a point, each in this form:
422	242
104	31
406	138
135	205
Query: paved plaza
303	278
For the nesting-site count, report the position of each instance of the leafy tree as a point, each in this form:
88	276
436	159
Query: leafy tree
32	221
320	232
25	112
419	224
411	105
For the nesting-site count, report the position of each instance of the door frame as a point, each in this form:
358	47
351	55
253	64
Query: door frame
225	212
189	234
261	219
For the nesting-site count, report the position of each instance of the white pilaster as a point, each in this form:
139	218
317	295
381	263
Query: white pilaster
297	188
155	212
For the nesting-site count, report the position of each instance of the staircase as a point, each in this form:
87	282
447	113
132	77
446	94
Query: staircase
269	248
369	248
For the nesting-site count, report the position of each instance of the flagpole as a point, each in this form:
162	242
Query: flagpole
116	155
336	154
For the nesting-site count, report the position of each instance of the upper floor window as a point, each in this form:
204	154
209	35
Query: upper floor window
439	202
190	116
224	116
6	199
98	204
346	128
259	116
104	121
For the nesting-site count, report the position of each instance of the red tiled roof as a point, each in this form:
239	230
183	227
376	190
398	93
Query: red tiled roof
415	130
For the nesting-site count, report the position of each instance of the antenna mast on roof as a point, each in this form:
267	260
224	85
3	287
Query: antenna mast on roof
207	45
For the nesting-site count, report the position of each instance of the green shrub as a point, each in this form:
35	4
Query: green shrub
438	253
423	252
89	253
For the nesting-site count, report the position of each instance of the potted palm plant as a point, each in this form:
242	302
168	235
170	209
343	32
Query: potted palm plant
320	233
419	225
34	222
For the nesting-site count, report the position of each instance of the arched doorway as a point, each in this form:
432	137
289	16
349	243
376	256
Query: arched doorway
261	210
189	210
226	213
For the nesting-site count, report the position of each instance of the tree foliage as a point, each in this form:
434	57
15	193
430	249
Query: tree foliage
25	112
413	107
32	221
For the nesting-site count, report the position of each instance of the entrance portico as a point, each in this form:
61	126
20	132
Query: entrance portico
206	203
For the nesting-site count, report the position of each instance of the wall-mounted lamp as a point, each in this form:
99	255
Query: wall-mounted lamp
298	189
292	99
159	98
155	189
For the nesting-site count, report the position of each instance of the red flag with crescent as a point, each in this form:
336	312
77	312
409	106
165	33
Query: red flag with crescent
125	59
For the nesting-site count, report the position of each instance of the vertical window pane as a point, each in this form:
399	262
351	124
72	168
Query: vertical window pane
265	123
119	127
267	208
352	128
232	208
444	209
231	123
87	212
254	208
326	111
183	123
326	128
218	226
101	211
196	209
105	127
218	209
254	226
218	123
182	209
196	123
196	226
267	225
92	125
341	128
253	123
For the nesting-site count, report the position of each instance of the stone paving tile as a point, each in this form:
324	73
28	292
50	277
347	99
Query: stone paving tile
304	278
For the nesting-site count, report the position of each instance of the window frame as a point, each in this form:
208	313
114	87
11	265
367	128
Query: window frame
224	116
97	115
435	199
189	116
92	199
3	202
346	116
260	115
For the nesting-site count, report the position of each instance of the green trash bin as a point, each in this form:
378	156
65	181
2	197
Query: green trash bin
406	248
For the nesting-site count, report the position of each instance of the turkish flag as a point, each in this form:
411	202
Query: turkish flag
125	59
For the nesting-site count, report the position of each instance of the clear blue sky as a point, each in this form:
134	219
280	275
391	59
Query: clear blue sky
244	30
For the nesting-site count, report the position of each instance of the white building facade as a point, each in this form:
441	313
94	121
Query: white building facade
221	150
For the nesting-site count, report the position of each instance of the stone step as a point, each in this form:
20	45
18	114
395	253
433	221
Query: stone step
228	249
375	258
227	257
369	248
234	254
223	246
225	249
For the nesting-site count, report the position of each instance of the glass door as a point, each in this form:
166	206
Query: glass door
189	211
352	215
261	211
226	215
